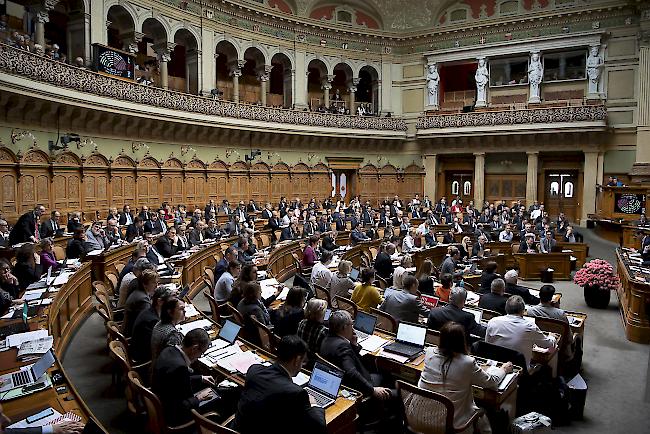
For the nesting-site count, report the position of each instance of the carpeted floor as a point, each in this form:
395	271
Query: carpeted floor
615	369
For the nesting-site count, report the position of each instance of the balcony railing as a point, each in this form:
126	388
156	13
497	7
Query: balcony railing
537	115
42	69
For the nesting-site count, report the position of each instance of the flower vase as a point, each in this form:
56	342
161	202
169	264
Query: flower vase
596	297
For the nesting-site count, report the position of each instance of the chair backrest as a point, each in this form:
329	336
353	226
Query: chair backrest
323	294
115	334
425	411
500	354
121	355
208	274
385	321
214	306
347	304
119	267
206	426
236	315
155	417
489	314
432	337
59	253
112	279
322	360
556	326
381	282
268	340
265	240
469	287
133	399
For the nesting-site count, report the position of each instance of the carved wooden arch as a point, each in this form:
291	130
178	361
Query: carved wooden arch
320	168
260	167
35	157
123	161
219	166
7	157
239	167
369	169
67	158
388	169
196	164
173	163
280	169
300	168
149	162
414	169
96	160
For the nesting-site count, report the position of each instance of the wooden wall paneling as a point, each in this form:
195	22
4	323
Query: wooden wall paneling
238	174
388	182
320	185
172	181
8	184
413	182
95	183
195	184
300	182
122	176
505	187
369	184
217	181
260	183
34	185
149	183
67	194
280	182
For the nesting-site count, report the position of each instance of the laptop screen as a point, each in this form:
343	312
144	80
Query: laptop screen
411	333
365	323
25	310
43	364
328	312
354	274
326	380
229	331
478	314
184	292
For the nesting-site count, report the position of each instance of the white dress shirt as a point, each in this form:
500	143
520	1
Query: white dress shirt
516	333
320	275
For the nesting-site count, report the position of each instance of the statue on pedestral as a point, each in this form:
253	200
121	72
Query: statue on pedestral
433	84
482	78
595	66
535	76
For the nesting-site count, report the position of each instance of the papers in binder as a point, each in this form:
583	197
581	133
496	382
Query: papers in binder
35	347
373	343
506	381
240	362
199	324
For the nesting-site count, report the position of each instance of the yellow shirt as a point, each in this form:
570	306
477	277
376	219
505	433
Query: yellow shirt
366	296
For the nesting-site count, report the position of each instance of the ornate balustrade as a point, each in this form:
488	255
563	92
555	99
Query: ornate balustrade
492	118
39	68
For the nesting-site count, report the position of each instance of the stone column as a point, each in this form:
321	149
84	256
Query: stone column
431	176
479	179
326	85
193	71
263	76
641	169
386	96
352	88
601	168
589	185
288	95
78	36
163	50
208	62
42	17
130	41
531	178
235	73
376	92
299	94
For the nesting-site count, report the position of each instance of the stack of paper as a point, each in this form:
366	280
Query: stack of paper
301	379
269	287
240	362
62	278
283	295
199	324
35	347
190	311
373	343
18	339
393	356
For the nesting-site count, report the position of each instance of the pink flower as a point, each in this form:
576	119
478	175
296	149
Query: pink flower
597	272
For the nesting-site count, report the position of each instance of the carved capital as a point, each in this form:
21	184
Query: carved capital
163	50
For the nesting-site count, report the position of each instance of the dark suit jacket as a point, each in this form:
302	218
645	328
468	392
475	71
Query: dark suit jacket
153	227
166	247
26	275
430	240
343	354
439	316
477	248
195	237
24	229
493	302
135	303
266	398
175	385
514	289
384	265
122	220
132	231
287	234
75	249
340	224
73	225
140	345
328	243
486	281
220	268
47	229
448	239
152	257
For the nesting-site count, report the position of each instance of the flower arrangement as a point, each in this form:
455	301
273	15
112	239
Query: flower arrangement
597	272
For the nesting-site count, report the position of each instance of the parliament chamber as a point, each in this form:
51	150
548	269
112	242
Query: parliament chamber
324	216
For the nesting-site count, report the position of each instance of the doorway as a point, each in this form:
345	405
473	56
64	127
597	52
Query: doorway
561	194
459	183
343	187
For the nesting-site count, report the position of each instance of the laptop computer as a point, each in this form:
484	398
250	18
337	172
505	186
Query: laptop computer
229	331
328	312
478	313
19	327
354	274
324	384
410	340
364	325
26	377
184	291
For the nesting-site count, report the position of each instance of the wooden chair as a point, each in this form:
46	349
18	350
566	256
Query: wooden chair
432	337
323	294
112	279
155	414
347	304
119	267
489	314
214	306
428	412
120	355
265	240
304	271
267	339
59	253
381	282
208	277
235	315
385	321
206	426
115	334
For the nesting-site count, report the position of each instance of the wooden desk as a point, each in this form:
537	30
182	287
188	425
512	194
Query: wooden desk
280	261
630	239
105	262
193	265
530	265
634	302
579	250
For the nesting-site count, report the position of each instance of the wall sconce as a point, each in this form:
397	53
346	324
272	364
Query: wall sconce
506	163
270	155
310	156
18	135
85	142
186	149
231	151
136	146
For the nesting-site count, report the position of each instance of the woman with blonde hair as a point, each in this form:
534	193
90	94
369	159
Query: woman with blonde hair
311	329
465	247
400	270
341	283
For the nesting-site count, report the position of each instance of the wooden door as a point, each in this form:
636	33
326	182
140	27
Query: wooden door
459	184
561	193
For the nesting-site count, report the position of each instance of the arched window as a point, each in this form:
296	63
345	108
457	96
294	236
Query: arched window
555	188
467	188
333	185
568	189
455	187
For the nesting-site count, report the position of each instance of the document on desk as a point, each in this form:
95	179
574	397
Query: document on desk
373	343
393	356
33	294
301	379
283	295
240	362
38	423
472	297
269	287
198	324
18	339
190	311
95	252
506	380
37	285
62	278
211	358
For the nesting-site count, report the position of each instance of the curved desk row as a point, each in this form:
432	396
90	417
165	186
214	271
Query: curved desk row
634	300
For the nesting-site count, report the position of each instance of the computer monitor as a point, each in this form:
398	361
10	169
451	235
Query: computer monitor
411	333
354	274
229	331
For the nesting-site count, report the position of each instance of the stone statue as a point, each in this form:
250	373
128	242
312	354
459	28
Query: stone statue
482	78
594	68
535	76
433	84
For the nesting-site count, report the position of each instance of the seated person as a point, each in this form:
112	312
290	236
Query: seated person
404	304
451	371
430	237
140	344
366	295
443	291
48	259
384	263
27	269
309	256
286	318
251	304
449	264
329	243
400	271
311	329
244	250
514	332
197	235
569	236
512	288
506	235
547	243
320	272
453	311
76	248
164	333
528	245
487	276
341	349
173	381
212	232
135	230
479	249
408	243
139	299
357	235
495	299
545	308
341	283
425	279
269	393
449	237
167	245
223	287
8	282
